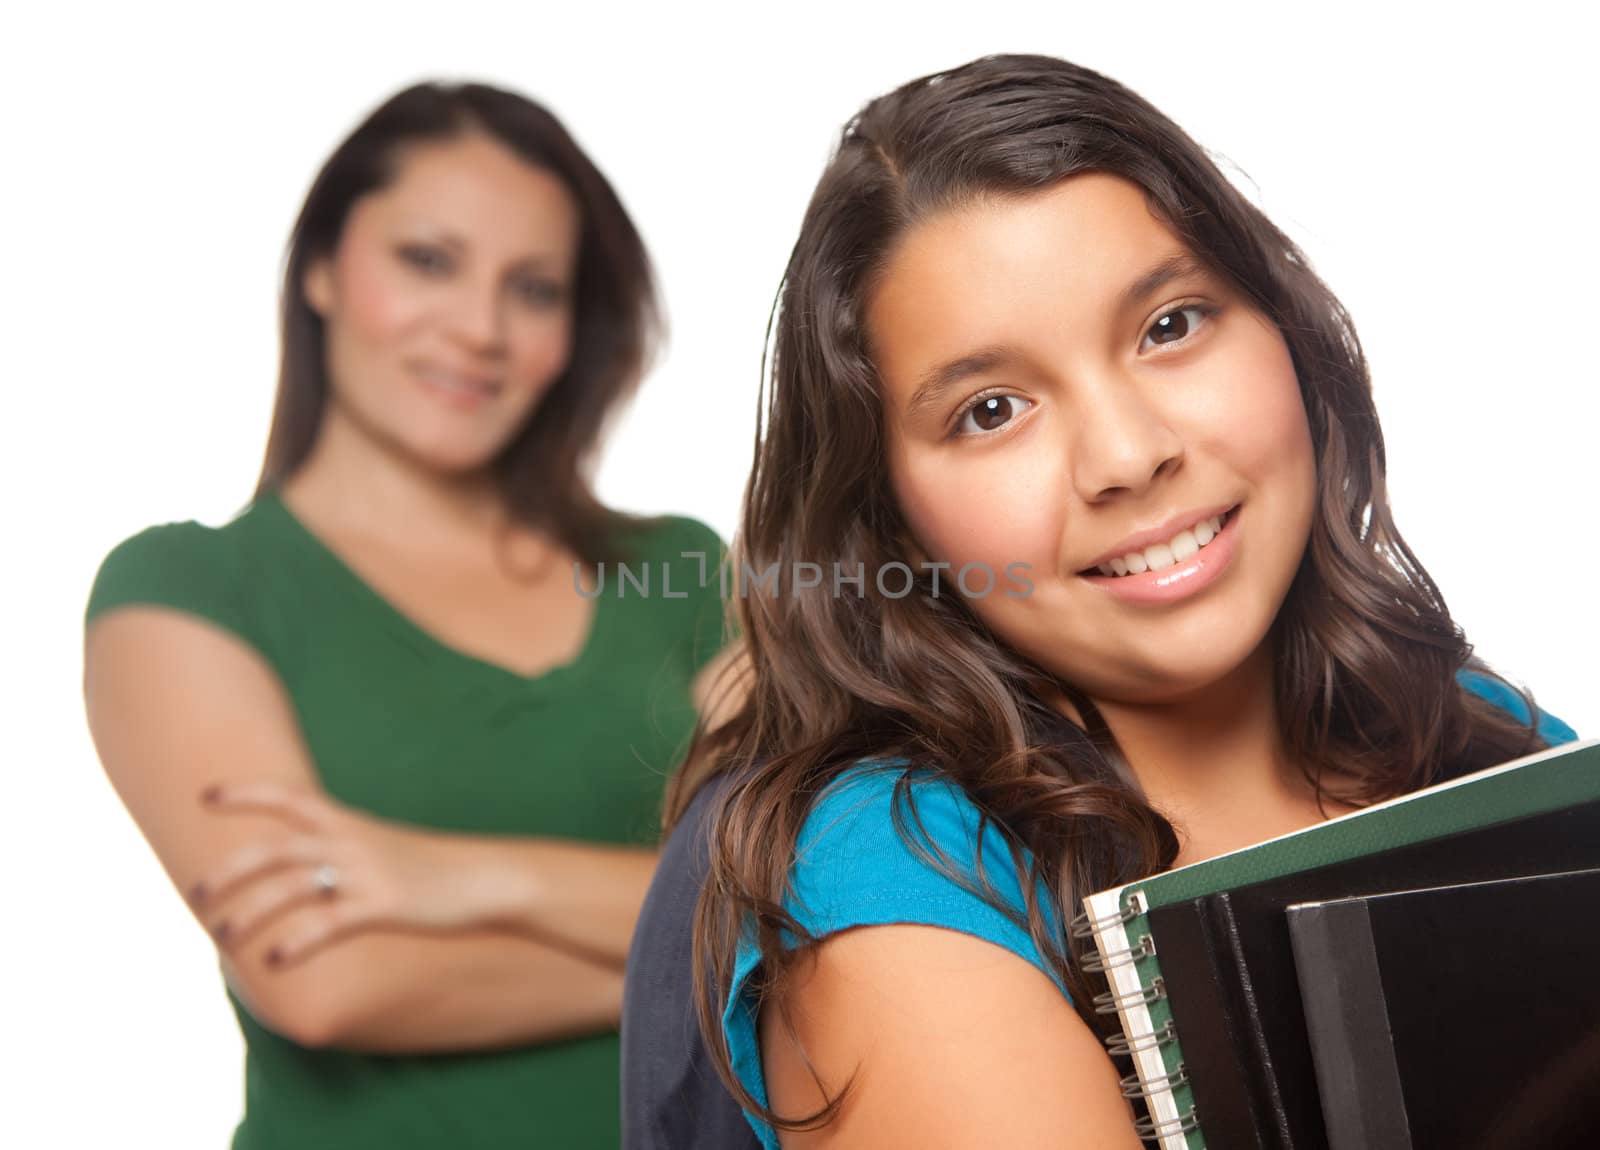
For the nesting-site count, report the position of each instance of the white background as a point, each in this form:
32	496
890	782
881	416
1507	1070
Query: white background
1437	167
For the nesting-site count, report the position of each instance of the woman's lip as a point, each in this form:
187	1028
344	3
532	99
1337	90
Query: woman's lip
1182	579
477	393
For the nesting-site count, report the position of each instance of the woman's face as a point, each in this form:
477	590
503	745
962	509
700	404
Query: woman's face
1050	402
448	301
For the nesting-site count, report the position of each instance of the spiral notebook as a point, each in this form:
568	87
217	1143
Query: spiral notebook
1128	936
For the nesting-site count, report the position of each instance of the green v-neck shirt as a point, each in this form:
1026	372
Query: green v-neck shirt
406	726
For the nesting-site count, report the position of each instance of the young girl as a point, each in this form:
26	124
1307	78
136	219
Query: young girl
1034	350
406	771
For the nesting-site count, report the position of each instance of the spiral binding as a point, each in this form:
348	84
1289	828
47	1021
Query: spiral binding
1082	927
1122	1046
1108	1002
1150	1130
1133	1086
1129	1043
1144	948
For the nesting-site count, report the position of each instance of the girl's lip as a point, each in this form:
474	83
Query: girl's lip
1139	540
1182	579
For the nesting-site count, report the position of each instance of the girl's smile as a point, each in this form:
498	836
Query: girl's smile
1175	565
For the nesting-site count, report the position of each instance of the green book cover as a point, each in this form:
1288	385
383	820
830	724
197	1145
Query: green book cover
1117	919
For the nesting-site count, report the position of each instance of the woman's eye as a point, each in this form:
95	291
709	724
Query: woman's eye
990	413
541	292
431	261
1173	327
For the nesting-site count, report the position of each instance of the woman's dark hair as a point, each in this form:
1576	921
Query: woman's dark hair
1366	653
544	471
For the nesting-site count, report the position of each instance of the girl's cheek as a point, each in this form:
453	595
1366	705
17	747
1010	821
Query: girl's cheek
1245	410
1274	421
995	514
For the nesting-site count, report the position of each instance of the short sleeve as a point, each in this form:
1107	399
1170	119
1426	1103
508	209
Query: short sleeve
170	565
854	867
1551	729
699	553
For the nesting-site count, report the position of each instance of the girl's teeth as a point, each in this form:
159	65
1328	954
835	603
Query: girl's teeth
1160	556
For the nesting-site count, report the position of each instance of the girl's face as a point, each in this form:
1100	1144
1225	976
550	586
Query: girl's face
448	301
1065	388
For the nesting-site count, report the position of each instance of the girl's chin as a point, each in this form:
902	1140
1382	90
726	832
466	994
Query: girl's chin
1159	677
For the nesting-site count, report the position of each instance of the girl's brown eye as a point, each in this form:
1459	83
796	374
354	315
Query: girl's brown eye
990	413
1174	328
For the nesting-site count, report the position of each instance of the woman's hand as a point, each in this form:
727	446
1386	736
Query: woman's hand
341	869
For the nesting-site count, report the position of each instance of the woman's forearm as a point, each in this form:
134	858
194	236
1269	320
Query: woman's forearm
583	897
431	940
543	962
392	992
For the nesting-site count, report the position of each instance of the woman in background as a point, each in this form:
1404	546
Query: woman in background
1099	450
404	766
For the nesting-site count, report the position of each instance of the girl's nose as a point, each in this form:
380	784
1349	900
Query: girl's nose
1124	442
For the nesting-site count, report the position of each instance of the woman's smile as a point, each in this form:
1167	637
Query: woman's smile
461	390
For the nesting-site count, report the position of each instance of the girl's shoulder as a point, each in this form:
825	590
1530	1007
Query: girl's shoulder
1497	691
886	842
872	807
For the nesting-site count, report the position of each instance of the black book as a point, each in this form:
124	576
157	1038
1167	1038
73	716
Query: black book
1456	1016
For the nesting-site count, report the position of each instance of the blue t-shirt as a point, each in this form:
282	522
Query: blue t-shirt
853	867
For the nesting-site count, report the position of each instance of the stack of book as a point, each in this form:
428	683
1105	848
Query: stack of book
1415	975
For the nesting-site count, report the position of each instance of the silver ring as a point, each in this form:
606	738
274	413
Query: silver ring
326	879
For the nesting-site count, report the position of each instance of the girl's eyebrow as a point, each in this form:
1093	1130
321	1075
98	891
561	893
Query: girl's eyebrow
1174	267
939	380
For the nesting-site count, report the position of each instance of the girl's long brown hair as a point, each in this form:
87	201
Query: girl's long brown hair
544	472
1366	652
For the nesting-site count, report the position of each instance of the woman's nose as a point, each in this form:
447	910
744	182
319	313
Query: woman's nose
477	317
